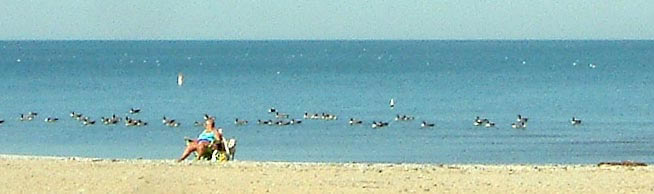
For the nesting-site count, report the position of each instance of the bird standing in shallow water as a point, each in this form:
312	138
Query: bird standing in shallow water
180	79
295	122
27	117
280	115
479	121
51	119
76	116
489	124
170	122
379	124
87	122
207	117
354	121
240	122
575	121
519	125
134	111
522	119
424	124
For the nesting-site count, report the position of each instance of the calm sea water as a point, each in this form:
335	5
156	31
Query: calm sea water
608	84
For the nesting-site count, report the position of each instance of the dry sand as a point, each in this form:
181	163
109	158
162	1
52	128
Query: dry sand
26	174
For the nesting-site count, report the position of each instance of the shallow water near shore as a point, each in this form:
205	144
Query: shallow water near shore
607	84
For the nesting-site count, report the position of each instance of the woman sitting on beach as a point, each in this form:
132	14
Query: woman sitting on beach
209	138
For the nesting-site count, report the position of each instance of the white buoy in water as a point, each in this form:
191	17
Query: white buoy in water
392	103
180	79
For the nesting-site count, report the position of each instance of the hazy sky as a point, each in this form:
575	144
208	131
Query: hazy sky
327	19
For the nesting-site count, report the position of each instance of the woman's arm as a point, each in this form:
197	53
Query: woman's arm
219	134
219	137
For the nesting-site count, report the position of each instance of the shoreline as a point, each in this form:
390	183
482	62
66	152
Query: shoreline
97	175
190	160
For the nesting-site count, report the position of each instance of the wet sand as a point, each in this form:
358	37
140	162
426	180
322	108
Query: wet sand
29	174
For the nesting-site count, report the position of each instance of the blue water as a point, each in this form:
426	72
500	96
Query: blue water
443	82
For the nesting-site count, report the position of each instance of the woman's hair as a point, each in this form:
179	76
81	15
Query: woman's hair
211	122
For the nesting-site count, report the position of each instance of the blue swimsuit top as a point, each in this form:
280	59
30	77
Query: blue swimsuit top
208	136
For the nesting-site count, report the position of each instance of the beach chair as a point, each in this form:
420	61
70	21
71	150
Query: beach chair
225	150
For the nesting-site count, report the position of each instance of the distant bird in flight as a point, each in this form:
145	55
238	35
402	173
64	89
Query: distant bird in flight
180	79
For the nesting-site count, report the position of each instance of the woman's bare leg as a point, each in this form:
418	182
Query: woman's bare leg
189	149
201	149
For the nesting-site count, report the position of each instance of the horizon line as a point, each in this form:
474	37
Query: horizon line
262	40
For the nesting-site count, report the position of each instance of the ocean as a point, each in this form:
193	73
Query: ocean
606	84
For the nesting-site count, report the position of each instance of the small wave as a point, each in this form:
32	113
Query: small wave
598	142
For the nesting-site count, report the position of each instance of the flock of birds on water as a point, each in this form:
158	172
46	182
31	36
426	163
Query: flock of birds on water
282	120
111	120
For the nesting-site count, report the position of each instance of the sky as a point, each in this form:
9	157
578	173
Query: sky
325	19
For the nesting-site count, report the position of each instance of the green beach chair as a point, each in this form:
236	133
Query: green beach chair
225	150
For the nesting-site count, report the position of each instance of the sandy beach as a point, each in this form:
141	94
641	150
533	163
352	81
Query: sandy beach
30	174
